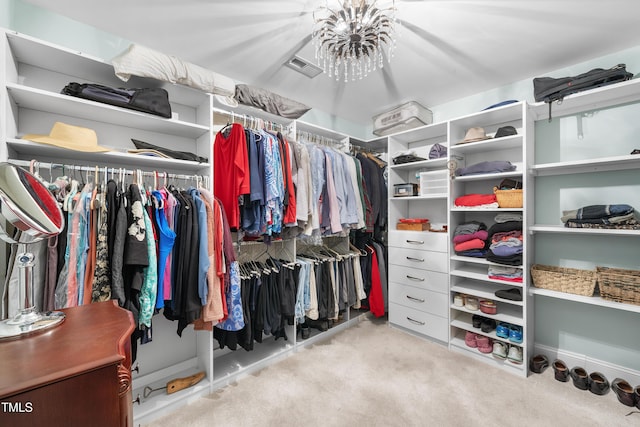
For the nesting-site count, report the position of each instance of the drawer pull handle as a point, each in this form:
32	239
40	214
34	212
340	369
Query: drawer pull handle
415	321
410	258
419	279
415	299
416	242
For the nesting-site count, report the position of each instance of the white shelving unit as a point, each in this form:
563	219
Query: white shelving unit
468	275
579	161
418	270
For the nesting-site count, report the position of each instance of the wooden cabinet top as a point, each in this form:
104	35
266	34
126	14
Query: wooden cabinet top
91	337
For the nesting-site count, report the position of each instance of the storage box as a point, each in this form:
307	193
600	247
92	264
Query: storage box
404	117
421	226
433	182
405	189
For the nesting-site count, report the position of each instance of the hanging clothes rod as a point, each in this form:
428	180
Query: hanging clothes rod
257	122
75	168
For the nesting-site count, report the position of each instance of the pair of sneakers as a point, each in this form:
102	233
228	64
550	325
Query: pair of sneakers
510	352
508	331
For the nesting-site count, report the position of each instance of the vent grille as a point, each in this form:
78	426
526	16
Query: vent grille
303	66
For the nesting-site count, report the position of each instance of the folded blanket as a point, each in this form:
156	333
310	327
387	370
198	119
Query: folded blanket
475	199
597	211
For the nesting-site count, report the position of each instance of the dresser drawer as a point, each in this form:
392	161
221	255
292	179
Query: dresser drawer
420	299
425	279
425	260
418	321
426	240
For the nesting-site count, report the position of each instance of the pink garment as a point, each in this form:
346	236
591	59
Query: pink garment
480	234
507	279
475	199
169	211
468	245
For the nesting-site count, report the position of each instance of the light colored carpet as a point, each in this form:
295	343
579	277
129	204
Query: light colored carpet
375	375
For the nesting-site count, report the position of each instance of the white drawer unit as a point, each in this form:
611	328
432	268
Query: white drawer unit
425	240
426	260
419	321
424	279
420	299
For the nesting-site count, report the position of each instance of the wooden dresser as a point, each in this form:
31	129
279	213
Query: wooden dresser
76	374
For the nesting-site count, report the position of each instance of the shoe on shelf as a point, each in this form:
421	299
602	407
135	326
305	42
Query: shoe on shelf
487	325
476	321
485	344
515	355
513	294
598	384
560	371
580	378
458	300
515	334
471	303
502	330
499	350
624	392
470	339
539	363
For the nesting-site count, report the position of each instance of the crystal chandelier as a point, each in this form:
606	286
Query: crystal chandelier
349	39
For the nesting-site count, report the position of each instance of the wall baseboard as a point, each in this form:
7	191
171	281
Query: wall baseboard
609	370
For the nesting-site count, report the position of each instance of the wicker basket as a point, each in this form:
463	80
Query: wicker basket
619	285
508	198
564	279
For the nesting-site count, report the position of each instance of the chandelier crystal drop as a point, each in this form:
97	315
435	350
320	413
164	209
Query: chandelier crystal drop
349	39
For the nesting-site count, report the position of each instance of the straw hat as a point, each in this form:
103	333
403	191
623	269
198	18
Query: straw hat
71	137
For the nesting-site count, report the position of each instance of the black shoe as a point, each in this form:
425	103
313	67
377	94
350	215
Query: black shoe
476	320
513	294
624	391
539	363
580	378
561	372
487	325
598	384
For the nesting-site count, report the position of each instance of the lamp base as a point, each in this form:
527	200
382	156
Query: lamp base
29	322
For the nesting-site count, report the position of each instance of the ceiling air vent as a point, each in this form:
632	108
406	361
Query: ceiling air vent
303	66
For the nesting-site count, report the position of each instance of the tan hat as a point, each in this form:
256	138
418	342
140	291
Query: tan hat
72	137
473	135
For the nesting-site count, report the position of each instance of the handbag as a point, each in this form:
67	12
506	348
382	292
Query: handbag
148	100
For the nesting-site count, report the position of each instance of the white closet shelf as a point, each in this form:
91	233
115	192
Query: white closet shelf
477	274
461	209
487	145
505	313
423	133
422	164
39	53
487	176
605	164
484	291
594	99
594	300
482	261
414	198
41	100
583	231
26	148
457	344
468	326
496	116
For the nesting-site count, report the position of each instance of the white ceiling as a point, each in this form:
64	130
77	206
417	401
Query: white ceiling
447	49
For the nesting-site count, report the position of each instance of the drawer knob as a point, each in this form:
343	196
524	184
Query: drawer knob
410	258
417	279
415	299
417	322
416	242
